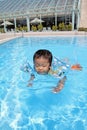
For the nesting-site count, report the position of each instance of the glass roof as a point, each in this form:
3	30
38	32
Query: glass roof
15	8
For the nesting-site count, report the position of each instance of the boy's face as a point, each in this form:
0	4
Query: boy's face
42	65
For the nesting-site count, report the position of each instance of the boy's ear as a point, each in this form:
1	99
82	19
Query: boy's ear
50	67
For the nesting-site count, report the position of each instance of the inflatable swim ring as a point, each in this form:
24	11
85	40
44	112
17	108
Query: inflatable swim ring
76	67
58	69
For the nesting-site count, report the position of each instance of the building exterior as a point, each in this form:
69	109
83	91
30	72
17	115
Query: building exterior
21	12
83	15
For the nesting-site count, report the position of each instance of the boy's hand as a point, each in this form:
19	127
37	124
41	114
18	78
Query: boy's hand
58	88
31	81
60	85
29	85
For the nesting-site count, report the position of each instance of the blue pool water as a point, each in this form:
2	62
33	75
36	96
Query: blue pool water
38	108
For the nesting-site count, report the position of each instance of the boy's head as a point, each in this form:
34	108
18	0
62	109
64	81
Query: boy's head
42	61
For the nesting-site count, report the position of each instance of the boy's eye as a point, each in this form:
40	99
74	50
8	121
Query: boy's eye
44	65
38	65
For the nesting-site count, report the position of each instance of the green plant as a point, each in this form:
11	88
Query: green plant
62	27
25	28
21	28
34	28
2	30
40	27
66	27
82	29
69	27
17	29
54	27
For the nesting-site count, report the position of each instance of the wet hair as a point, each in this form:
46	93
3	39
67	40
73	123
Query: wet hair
43	53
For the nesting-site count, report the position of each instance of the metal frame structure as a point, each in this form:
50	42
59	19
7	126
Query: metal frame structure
29	9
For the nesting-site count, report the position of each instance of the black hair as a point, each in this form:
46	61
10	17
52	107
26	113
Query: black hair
43	53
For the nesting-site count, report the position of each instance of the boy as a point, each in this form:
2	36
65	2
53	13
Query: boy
42	64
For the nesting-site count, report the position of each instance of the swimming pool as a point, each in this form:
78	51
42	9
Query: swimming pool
38	108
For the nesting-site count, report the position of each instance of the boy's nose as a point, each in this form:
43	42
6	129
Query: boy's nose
40	67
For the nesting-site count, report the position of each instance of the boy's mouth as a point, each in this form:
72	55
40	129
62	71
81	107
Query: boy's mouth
41	72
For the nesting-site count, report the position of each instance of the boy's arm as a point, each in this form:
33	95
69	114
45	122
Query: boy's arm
31	80
60	85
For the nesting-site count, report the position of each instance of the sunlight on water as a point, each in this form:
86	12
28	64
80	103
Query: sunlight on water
37	107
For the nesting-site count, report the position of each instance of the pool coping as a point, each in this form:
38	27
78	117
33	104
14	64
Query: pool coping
11	35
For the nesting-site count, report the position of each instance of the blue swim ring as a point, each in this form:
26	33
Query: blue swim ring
59	68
